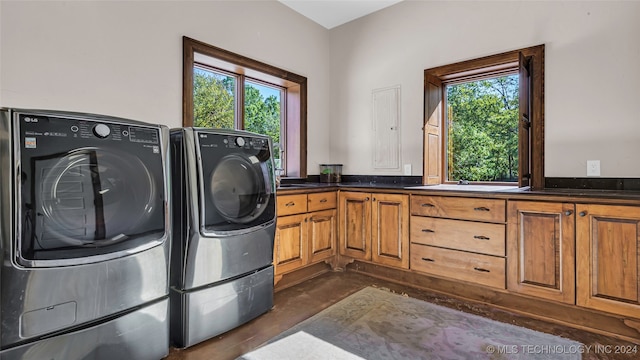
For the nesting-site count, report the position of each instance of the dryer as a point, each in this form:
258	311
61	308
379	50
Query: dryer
85	237
224	228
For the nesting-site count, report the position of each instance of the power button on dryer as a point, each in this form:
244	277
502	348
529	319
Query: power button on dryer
101	130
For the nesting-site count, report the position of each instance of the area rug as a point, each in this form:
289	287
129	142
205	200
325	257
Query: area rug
378	324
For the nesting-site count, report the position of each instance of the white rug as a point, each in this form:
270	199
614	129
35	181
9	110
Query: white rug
299	346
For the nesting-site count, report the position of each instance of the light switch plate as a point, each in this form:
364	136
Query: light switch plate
407	169
593	167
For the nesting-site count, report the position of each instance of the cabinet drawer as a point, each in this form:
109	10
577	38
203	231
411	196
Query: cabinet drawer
322	201
491	210
474	268
291	204
471	236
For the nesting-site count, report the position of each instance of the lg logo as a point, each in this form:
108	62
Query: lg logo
29	119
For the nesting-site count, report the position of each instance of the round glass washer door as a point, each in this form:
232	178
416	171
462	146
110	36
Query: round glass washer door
95	197
238	188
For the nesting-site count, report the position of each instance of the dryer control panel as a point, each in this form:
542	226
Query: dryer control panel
233	141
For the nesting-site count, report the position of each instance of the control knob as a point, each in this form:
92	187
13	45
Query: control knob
240	141
101	131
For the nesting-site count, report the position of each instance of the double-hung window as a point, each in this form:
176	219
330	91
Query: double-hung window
484	120
228	91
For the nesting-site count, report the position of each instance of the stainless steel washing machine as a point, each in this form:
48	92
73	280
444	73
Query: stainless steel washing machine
224	227
85	235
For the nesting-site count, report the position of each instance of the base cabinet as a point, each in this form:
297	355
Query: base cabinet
321	235
305	230
459	238
608	258
290	250
541	250
375	227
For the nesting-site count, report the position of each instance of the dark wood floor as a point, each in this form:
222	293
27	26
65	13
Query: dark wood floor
297	303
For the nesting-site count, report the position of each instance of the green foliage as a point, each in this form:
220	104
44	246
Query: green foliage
261	115
482	119
214	105
213	100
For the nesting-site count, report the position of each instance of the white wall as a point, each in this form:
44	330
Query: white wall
592	82
125	58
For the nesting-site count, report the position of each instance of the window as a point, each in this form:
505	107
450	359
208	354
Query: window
481	130
484	120
225	90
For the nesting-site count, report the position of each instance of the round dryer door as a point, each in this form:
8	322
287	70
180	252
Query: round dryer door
93	197
238	188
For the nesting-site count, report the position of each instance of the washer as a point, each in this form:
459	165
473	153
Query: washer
85	236
224	229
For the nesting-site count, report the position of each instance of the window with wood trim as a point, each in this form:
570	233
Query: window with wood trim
484	120
226	90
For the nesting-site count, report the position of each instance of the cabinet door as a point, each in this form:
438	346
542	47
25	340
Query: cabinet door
608	253
541	250
290	244
390	231
322	235
355	225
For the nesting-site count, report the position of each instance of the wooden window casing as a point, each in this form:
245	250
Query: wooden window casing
529	63
294	127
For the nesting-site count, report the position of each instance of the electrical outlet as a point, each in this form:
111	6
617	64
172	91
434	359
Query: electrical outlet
593	167
407	169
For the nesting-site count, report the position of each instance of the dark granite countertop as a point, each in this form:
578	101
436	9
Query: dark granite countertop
477	190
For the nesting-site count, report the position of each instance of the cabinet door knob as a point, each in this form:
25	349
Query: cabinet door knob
583	213
366	199
568	212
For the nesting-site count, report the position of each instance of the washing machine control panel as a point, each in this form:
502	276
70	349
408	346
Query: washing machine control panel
233	141
37	126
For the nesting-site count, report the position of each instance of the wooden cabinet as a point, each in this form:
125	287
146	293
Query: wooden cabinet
305	230
290	250
541	249
375	227
321	235
459	238
608	258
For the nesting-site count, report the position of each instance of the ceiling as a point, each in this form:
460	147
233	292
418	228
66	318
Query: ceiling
332	13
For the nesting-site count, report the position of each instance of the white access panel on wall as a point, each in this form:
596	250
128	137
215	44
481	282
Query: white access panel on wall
386	128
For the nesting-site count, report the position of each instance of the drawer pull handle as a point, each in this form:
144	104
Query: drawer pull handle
482	208
481	237
320	218
427	259
481	269
323	200
428	230
289	204
427	205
